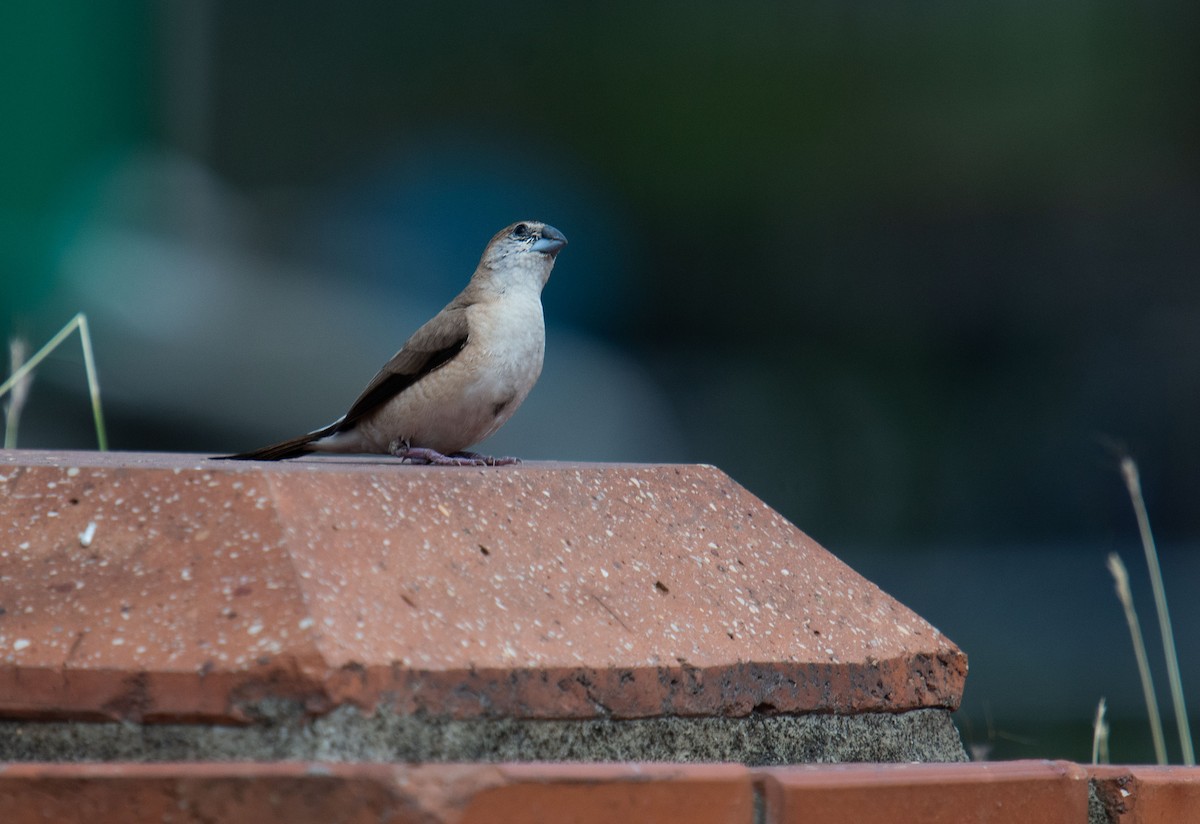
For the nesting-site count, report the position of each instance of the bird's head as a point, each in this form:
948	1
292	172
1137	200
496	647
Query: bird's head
528	244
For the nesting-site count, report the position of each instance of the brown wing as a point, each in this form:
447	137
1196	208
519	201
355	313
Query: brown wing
431	346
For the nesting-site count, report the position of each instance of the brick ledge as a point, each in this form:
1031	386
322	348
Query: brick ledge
166	588
1031	792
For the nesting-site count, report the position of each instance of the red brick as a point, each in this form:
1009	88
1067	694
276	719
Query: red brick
1148	795
226	793
332	794
603	794
1020	792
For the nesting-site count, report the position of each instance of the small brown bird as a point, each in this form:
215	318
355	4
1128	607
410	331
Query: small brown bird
461	375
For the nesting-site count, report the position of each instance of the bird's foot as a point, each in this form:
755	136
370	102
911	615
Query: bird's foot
431	457
487	460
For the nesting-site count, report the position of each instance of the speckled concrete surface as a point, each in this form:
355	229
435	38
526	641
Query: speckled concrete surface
159	587
347	735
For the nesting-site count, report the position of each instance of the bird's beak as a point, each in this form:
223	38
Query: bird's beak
550	242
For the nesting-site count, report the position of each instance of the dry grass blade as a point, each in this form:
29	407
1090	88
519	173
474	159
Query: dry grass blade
18	351
1125	595
23	372
1100	735
1129	472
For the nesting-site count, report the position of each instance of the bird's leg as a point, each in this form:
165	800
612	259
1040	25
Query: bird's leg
425	456
488	460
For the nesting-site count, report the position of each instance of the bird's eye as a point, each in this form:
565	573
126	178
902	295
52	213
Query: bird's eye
521	230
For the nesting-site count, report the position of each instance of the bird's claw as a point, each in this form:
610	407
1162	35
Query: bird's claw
431	457
486	460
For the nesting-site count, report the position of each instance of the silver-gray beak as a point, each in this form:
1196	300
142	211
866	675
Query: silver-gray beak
550	242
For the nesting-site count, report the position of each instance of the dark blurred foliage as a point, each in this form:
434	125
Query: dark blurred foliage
907	271
930	256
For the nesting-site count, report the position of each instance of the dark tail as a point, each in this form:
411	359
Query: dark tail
284	450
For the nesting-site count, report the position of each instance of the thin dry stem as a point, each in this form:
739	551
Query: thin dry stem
1125	595
18	351
1100	735
1129	472
85	339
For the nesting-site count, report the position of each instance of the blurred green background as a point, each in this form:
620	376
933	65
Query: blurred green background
906	271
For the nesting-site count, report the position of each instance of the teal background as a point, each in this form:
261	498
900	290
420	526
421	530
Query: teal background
912	273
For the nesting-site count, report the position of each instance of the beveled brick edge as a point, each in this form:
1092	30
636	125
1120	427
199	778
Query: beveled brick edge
1031	792
581	693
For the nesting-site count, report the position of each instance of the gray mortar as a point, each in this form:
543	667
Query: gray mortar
347	735
1101	808
1097	813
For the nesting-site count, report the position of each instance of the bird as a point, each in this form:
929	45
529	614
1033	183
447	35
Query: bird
461	375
